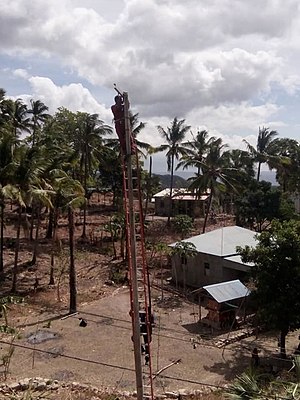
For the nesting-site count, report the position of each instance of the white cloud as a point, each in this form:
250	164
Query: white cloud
75	97
203	60
21	73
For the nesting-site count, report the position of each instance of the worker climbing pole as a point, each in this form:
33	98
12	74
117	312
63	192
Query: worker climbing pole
140	299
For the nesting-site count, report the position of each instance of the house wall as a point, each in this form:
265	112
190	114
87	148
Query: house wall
193	208
205	269
162	206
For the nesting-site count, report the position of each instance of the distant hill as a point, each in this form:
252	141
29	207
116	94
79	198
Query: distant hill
178	181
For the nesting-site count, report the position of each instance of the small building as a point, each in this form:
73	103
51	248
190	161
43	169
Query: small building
183	202
224	302
216	259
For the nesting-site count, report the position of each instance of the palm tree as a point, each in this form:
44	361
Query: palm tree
261	153
28	169
174	136
6	169
69	195
215	175
15	113
87	141
198	149
39	116
286	161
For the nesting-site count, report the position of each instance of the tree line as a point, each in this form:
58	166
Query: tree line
53	162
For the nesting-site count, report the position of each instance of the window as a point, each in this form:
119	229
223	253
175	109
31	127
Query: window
206	269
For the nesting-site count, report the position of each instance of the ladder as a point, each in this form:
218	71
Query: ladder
139	284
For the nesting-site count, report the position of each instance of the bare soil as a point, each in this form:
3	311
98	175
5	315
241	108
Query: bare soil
53	345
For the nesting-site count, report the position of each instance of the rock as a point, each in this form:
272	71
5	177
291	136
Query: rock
24	384
171	395
15	386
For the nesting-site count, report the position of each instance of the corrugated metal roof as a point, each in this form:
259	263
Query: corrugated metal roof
223	242
227	291
180	194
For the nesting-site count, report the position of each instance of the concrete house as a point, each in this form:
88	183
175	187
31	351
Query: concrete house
216	260
183	202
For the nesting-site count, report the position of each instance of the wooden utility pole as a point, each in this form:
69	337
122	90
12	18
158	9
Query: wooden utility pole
132	254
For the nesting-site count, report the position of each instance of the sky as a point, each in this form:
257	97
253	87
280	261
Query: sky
227	66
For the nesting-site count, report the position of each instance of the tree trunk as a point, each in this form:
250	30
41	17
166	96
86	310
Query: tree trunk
35	245
83	235
72	272
49	233
258	171
31	225
283	334
15	267
171	190
207	212
2	206
54	239
148	188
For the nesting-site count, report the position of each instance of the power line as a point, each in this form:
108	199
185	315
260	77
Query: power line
209	345
116	366
238	345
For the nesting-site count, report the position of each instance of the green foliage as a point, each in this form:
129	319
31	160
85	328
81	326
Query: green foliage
276	275
186	249
260	204
115	226
245	387
251	386
183	224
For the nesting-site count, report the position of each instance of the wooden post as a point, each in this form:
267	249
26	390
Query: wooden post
135	317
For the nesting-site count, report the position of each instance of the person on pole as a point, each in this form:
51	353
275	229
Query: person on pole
119	120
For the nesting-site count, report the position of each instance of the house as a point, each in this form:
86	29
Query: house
183	202
224	302
216	259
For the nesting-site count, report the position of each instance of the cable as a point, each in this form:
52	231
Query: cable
80	359
123	368
209	345
105	364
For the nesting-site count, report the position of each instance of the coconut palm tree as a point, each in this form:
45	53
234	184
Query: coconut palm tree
28	168
15	114
286	161
261	154
174	135
88	139
6	170
215	175
39	116
69	195
198	149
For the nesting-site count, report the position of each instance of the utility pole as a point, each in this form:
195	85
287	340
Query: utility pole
134	280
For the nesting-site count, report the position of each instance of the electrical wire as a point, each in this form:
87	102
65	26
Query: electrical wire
116	366
182	339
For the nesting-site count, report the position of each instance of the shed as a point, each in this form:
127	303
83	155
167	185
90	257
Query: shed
224	302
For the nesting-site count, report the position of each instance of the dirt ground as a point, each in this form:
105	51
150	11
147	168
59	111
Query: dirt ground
101	354
55	346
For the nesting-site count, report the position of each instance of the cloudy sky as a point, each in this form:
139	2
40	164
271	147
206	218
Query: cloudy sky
228	66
